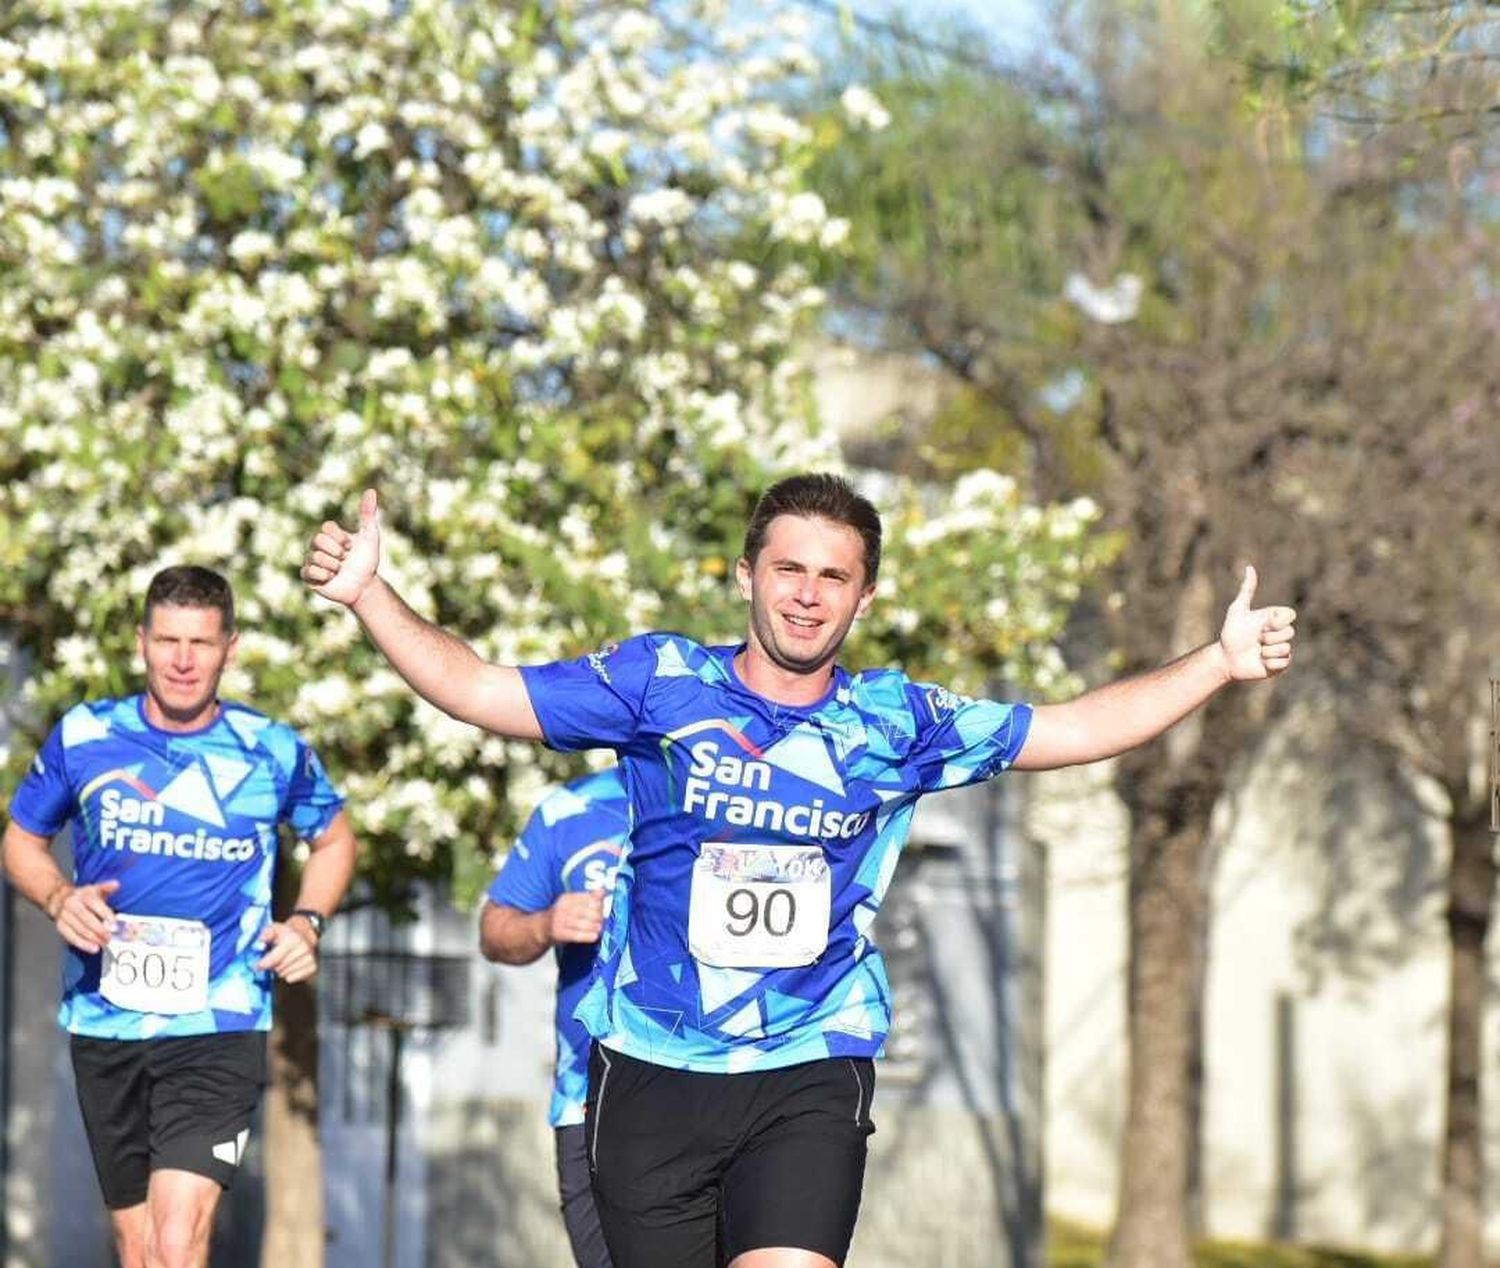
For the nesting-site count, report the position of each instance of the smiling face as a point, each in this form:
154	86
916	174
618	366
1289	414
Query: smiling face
805	589
185	650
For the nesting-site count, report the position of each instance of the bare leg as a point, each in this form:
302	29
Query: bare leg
782	1257
130	1234
180	1219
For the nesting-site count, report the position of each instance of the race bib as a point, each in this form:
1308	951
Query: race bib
156	964
759	906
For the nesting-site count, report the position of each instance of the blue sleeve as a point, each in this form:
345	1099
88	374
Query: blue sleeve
529	879
595	701
44	800
962	741
311	800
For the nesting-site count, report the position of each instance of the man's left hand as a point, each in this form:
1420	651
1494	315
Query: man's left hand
293	956
1256	642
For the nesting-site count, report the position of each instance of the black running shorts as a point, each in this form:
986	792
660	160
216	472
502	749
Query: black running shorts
693	1169
150	1104
575	1189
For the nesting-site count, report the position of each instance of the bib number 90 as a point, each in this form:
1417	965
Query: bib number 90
747	912
759	906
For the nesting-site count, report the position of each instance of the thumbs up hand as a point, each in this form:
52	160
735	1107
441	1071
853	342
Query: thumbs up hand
1256	642
340	564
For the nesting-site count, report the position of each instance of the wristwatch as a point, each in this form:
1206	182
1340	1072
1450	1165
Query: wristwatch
316	919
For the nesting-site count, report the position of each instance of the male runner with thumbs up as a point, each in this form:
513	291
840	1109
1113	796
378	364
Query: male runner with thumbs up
175	798
738	1000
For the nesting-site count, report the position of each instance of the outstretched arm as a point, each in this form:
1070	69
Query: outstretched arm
443	669
1254	644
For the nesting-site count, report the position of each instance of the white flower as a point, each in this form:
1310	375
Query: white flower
799	218
370	138
864	108
1110	305
251	246
742	276
661	207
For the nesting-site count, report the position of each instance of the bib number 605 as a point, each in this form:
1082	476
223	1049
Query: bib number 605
154	969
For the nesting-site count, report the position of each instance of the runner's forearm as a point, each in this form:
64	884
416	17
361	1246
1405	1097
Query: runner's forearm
32	871
329	868
443	669
508	935
1122	715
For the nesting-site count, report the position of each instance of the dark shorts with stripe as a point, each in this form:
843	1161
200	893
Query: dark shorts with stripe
693	1169
150	1104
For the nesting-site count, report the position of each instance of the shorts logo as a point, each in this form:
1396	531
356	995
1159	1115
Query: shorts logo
231	1151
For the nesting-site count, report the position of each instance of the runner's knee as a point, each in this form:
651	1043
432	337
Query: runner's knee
179	1239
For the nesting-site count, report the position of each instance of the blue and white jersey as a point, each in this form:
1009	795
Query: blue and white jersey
763	839
571	845
186	822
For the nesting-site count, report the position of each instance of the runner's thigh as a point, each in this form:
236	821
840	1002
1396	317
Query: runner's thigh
796	1180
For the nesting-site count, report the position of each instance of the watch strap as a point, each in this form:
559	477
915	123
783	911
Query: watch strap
315	918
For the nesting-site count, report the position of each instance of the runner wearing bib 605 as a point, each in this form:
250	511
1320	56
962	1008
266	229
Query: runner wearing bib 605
551	893
738	1001
175	800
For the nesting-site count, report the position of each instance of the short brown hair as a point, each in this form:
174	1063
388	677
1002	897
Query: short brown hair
817	495
189	586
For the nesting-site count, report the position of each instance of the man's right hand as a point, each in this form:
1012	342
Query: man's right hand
340	564
82	916
577	917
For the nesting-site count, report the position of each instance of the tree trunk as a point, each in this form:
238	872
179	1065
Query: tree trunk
1471	890
1169	903
294	1232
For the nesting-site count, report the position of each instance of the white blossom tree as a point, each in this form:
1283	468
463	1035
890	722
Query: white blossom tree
535	270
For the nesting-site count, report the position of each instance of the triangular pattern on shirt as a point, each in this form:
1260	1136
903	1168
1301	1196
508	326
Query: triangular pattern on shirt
81	726
232	995
666	1020
804	753
745	1057
956	775
252	921
746	1023
257	888
716	987
669	662
247	726
563	804
876	870
779	1006
190	793
227	773
626	973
